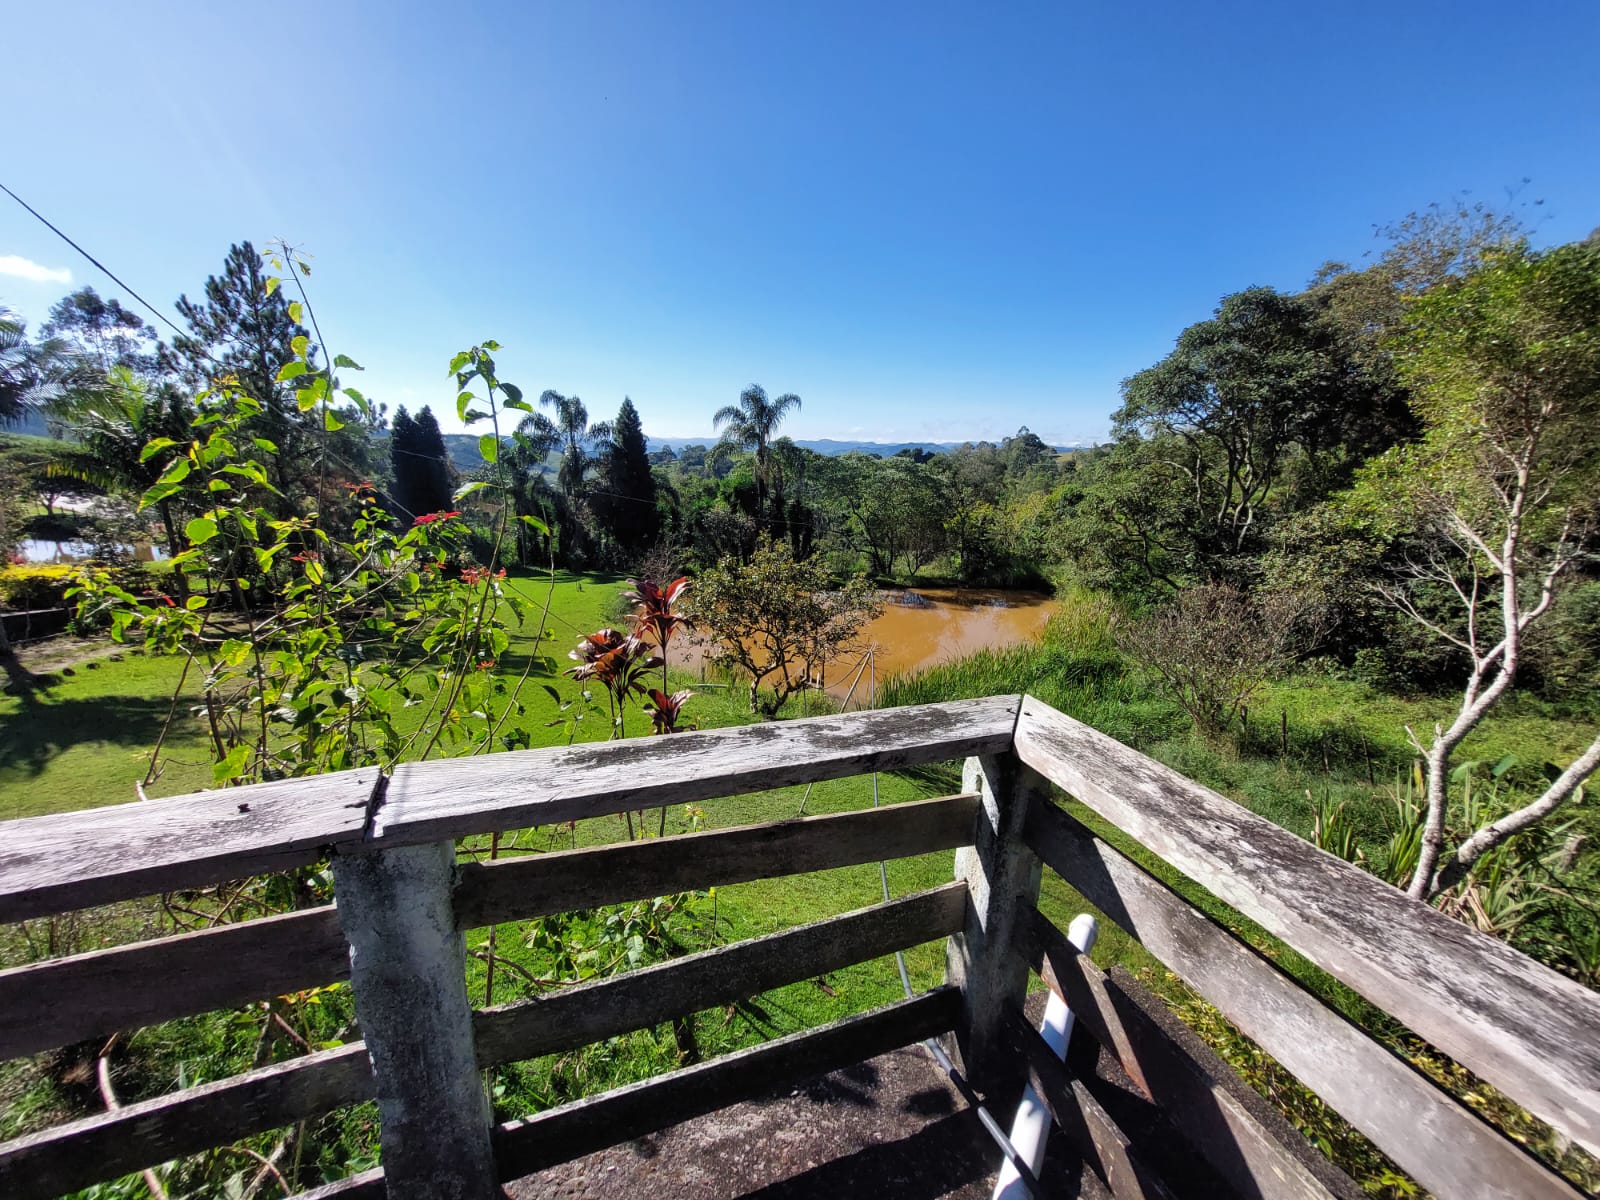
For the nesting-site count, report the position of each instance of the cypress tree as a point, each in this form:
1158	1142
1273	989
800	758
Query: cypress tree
629	508
436	477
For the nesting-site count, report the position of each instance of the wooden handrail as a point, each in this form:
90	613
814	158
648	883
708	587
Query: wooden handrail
1381	1095
1529	1031
98	856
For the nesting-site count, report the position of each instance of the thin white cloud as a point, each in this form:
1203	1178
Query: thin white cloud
23	268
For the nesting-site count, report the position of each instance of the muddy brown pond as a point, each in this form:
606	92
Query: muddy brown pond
922	627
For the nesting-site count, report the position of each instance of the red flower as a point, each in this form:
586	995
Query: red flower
430	518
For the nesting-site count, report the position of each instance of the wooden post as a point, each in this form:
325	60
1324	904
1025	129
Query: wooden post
986	961
407	970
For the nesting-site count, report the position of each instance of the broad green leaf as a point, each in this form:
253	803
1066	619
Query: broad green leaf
272	282
233	766
313	394
296	311
158	493
459	361
537	524
344	360
462	401
465	490
490	345
300	343
330	422
291	370
265	445
177	472
154	447
489	447
195	603
200	531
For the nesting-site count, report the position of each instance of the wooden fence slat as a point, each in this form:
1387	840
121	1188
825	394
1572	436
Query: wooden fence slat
452	797
572	1017
1081	1118
573	1130
517	889
1249	1145
73	1156
65	1000
1529	1031
101	855
1448	1149
366	1185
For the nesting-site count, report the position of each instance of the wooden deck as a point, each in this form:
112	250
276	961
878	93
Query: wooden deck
404	903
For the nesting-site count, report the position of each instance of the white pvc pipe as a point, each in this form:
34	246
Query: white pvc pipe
1032	1125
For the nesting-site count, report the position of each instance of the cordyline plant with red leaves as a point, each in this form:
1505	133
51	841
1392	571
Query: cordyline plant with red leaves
655	614
664	709
615	661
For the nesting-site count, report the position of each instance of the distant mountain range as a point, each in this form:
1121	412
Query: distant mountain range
833	446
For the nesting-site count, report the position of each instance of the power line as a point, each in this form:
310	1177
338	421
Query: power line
109	273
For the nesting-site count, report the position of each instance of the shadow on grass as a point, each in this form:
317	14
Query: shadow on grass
46	727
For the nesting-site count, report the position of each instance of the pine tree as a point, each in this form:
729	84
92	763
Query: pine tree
240	329
628	508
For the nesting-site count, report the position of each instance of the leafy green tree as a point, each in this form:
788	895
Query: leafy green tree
1504	365
103	331
752	424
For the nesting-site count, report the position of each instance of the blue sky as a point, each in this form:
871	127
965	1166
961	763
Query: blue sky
931	221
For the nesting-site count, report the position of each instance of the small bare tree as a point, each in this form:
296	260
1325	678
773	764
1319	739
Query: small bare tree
1505	367
1215	647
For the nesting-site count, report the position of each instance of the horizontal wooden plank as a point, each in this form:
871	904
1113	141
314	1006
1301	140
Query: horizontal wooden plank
452	797
572	1017
516	889
1079	1116
101	855
1448	1149
1259	1154
65	1000
79	1153
573	1130
365	1185
1529	1031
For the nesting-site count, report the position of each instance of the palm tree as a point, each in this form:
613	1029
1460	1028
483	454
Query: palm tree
578	441
115	423
39	376
571	431
751	424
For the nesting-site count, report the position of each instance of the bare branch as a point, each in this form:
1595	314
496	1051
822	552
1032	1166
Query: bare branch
1493	834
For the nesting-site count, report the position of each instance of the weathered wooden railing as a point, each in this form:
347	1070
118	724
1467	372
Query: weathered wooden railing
404	902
